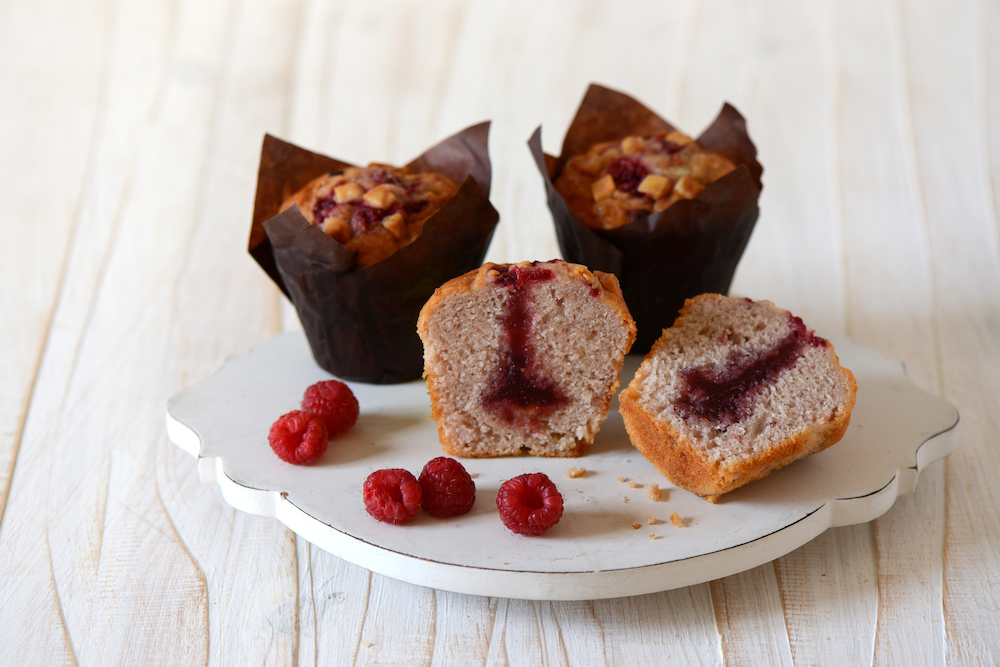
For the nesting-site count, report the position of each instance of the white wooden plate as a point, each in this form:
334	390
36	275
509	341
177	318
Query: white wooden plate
593	552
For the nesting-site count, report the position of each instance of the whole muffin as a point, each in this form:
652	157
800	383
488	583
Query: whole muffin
359	250
631	195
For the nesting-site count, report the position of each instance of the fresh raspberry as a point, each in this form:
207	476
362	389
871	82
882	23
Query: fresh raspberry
392	495
529	504
298	437
448	488
335	403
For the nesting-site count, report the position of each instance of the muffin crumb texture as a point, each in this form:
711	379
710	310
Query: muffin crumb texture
734	390
524	358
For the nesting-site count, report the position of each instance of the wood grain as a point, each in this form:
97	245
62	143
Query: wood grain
130	136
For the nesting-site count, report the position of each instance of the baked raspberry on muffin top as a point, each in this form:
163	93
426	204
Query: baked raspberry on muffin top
618	182
375	209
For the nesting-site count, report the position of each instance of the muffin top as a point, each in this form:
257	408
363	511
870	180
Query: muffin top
618	182
375	210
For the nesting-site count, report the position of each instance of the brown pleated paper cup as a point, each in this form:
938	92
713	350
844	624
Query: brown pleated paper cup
690	248
362	323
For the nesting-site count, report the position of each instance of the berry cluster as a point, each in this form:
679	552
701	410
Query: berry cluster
444	489
528	504
328	409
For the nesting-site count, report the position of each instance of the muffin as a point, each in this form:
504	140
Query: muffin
733	391
395	235
680	212
524	358
374	210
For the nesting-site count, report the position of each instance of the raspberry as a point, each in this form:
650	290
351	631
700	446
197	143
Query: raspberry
392	495
335	403
448	488
628	173
298	437
529	504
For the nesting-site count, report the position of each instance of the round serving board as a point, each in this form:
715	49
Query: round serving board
594	551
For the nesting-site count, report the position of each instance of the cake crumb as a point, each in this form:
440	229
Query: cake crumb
653	492
624	499
634	485
622	479
576	472
654	536
366	644
473	475
675	519
651	520
636	526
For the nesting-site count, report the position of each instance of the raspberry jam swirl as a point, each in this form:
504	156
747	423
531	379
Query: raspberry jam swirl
726	395
517	391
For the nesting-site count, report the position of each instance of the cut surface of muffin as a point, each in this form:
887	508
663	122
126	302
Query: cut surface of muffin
617	182
733	391
524	358
374	210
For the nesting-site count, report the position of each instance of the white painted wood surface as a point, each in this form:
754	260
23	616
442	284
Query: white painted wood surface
130	134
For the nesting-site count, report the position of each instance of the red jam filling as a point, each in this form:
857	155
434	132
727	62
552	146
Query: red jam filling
628	173
516	392
726	395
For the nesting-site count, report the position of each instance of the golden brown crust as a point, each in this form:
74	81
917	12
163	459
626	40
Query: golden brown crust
685	464
686	467
673	168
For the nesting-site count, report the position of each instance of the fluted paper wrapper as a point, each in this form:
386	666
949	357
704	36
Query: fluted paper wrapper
362	323
690	248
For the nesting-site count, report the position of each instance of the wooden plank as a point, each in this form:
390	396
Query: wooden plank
827	585
59	56
116	554
795	256
947	79
749	617
526	632
888	273
674	627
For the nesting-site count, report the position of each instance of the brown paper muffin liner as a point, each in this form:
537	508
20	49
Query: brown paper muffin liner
362	323
690	248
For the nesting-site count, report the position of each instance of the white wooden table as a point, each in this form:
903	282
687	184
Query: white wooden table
129	139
